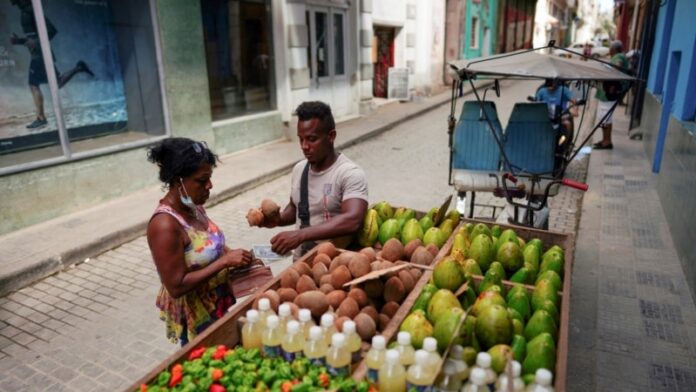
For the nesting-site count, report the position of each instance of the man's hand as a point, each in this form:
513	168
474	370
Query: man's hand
30	43
270	222
286	241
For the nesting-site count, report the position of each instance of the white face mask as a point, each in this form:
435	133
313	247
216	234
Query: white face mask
185	198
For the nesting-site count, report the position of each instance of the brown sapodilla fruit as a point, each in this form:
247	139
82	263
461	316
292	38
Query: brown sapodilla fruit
345	257
269	208
348	308
432	248
372	312
322	258
313	300
394	290
416	273
340	276
370	253
328	249
375	265
325	279
407	280
411	247
365	326
422	256
302	268
305	283
359	265
289	278
255	217
393	250
335	298
374	288
287	294
359	296
383	321
318	271
326	288
339	322
390	309
273	297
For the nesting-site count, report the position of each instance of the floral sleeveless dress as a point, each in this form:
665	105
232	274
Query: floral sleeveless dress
191	313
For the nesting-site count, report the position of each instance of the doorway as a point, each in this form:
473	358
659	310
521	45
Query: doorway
384	39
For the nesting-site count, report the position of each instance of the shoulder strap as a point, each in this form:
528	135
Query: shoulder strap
165	209
303	205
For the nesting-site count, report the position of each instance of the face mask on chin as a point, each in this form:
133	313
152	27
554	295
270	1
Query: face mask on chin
185	198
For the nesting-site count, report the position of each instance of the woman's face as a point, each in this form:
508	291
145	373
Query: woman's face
198	184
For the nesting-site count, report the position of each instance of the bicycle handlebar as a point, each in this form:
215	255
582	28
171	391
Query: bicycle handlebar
575	184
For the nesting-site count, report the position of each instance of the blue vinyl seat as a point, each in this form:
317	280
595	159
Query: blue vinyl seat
530	141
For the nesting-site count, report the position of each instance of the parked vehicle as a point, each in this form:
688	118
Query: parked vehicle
597	50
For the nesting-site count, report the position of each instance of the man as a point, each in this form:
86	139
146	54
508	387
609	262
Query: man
37	68
557	99
607	94
336	187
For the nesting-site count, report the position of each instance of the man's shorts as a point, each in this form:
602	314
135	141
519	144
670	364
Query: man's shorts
37	72
603	108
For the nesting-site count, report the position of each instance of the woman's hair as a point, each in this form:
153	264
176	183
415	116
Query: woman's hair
180	157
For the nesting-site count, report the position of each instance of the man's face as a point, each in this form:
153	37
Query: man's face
316	144
551	87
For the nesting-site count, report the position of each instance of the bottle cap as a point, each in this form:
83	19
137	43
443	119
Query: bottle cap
284	310
315	333
338	339
252	315
421	357
483	360
264	304
392	356
430	344
327	320
293	327
304	315
477	376
404	338
543	377
449	367
349	327
516	369
272	321
378	341
457	352
503	383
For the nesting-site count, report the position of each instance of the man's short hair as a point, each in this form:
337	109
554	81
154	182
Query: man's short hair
319	110
617	45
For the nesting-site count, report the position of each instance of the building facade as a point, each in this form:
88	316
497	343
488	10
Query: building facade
229	72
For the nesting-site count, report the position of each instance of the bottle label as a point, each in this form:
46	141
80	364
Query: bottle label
271	351
356	357
372	374
418	388
491	387
318	362
338	371
288	356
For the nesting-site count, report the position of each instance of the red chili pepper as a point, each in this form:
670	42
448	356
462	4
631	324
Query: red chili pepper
286	386
219	354
177	375
196	353
216	374
221	347
143	388
324	380
217	388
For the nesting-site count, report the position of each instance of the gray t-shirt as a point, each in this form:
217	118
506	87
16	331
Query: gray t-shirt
328	189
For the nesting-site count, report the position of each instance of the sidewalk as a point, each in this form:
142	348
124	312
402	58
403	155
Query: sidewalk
70	239
632	315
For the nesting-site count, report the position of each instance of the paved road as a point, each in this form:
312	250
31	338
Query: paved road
95	326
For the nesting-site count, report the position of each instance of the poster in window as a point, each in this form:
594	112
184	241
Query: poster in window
398	84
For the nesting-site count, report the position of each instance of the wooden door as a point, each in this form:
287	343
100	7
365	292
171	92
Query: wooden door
385	60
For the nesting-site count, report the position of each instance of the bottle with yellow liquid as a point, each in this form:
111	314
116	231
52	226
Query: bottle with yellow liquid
315	349
483	362
353	341
434	359
264	311
504	381
448	380
477	381
327	326
306	322
542	382
419	377
375	358
284	315
406	351
456	355
338	357
293	341
271	337
251	332
392	375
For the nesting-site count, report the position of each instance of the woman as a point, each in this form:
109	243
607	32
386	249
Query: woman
187	247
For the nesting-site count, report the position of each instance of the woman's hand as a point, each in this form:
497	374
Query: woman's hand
234	258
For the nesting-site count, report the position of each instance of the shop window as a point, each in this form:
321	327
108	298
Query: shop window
239	56
326	51
99	91
474	35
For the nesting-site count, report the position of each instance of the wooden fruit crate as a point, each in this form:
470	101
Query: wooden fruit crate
227	330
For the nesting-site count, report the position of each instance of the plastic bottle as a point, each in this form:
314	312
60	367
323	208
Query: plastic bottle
542	382
338	356
306	322
353	341
504	380
392	375
418	375
328	328
284	315
293	341
375	358
264	311
456	355
483	362
434	359
406	351
477	381
251	331
448	380
315	349
272	337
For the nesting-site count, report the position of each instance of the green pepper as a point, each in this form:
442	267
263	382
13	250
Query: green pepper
301	387
163	378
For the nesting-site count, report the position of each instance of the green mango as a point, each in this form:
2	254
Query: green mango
549	307
441	302
544	290
454	216
447	274
537	243
522	276
519	348
418	326
425	223
470	355
541	354
530	255
389	229
553	277
434	236
509	255
446	227
516	290
552	261
517	326
540	322
481	250
499	355
424	297
369	230
520	302
411	231
485	300
480	228
497	268
493	326
469	268
469	297
384	210
445	329
496	231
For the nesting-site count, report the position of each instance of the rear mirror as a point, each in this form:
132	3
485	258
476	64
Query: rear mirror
496	87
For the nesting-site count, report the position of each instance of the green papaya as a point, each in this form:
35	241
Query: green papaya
541	354
459	244
508	235
552	261
522	276
497	268
496	231
470	268
553	277
517	326
469	228
468	330
515	290
520	302
519	348
424	297
490	280
480	228
404	213
481	250
425	223
537	243
389	229
530	255
454	216
509	255
384	210
445	329
434	236
540	322
447	274
369	230
493	326
433	211
544	290
549	307
485	300
442	301
515	315
470	355
446	228
499	355
411	231
418	326
469	297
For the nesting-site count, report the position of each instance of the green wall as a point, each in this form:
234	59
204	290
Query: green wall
487	17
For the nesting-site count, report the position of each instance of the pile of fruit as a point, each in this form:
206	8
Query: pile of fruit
219	369
509	319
